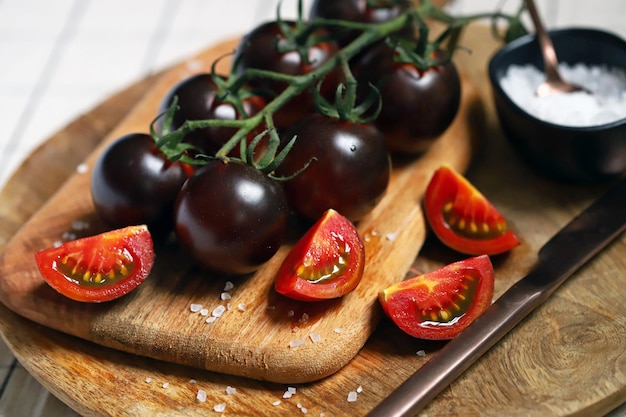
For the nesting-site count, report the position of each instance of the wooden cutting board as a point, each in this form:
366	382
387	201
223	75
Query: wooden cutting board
566	359
261	334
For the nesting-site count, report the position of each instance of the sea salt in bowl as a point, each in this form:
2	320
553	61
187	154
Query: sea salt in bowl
576	138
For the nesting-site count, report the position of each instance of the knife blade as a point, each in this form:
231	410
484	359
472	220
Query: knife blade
568	250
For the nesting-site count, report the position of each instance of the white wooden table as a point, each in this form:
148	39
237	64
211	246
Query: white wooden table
59	58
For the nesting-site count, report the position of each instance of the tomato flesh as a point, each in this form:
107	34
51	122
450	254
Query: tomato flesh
326	263
442	303
99	268
462	218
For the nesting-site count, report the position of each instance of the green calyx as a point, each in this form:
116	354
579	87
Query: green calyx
300	37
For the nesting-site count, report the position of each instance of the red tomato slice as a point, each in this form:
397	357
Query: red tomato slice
462	218
101	267
327	262
440	304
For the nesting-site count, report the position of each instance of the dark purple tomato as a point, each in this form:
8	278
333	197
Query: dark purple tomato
230	217
349	170
417	105
134	183
362	11
198	100
259	49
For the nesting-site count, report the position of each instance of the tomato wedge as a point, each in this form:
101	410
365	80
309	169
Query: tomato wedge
99	268
440	304
462	218
326	263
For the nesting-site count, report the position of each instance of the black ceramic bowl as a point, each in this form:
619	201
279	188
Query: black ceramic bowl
570	154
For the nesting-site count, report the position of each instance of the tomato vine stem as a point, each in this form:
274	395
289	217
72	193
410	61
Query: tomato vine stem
296	84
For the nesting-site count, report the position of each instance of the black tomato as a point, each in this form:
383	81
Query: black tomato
132	183
358	11
259	49
230	217
418	105
198	100
349	170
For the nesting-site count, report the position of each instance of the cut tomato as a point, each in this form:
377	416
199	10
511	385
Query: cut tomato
462	218
99	268
327	262
440	304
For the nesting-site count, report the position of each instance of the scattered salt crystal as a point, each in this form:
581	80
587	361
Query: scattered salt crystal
230	390
295	329
304	319
194	65
296	343
80	225
148	380
201	395
352	395
304	410
218	311
391	236
275	403
228	286
315	337
605	102
165	384
219	408
82	168
338	330
225	296
192	381
228	306
299	405
204	312
359	389
195	308
421	353
241	307
210	319
290	313
57	243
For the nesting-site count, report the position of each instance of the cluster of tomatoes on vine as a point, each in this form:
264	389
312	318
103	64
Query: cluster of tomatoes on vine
230	209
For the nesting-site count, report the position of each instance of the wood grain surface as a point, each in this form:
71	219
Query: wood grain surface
255	341
566	359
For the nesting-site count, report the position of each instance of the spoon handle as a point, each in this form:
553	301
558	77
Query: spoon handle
547	48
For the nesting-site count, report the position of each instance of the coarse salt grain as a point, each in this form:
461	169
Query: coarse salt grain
82	168
352	396
210	319
219	408
230	390
194	308
297	343
218	311
391	236
204	312
605	102
225	296
192	381
315	337
291	391
304	319
201	395
291	313
241	307
165	384
421	353
275	403
337	330
148	380
359	389
228	286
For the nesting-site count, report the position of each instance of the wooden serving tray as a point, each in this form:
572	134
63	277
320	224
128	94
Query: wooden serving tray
567	357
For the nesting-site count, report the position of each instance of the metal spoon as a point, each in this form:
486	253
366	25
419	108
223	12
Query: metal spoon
553	83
